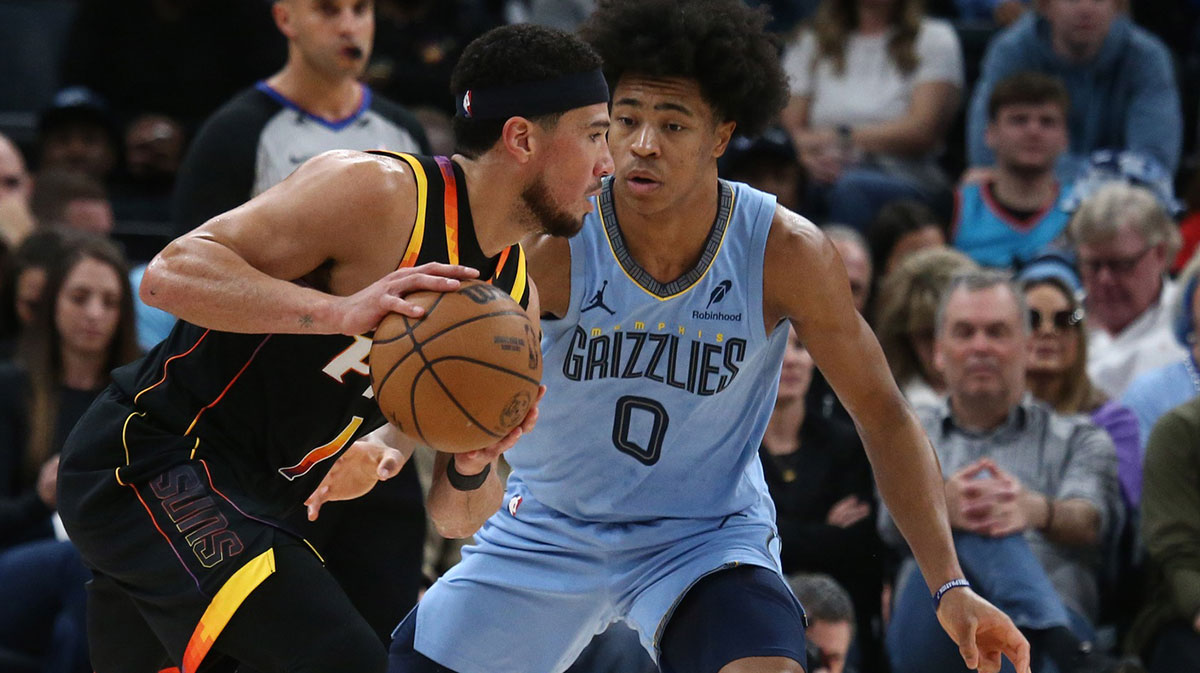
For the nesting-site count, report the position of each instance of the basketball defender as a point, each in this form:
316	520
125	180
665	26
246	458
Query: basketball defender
640	496
174	484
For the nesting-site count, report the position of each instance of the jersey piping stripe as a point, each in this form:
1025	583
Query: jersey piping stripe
518	290
167	539
222	607
167	363
500	264
418	235
236	376
699	278
450	207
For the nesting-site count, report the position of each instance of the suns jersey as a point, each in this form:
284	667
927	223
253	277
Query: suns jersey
658	395
273	410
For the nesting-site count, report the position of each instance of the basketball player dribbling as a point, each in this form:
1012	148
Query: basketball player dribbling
640	496
174	482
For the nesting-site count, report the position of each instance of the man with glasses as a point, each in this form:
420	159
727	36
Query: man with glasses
1125	241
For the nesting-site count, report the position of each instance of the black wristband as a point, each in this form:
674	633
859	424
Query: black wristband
465	483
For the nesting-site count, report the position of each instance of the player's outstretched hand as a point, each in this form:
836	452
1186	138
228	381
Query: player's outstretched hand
983	633
362	311
355	472
474	462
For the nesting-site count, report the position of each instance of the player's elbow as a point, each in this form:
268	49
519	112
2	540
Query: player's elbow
155	288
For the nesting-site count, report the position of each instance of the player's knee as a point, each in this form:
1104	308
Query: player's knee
347	647
763	665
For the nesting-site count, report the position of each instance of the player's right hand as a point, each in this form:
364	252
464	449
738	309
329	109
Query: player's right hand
983	633
362	311
474	462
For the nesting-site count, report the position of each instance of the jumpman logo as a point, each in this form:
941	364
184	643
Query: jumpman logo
598	301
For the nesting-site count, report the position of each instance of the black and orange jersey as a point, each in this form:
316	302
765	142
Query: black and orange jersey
273	410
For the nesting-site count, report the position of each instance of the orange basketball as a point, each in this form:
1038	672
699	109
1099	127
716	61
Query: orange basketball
464	375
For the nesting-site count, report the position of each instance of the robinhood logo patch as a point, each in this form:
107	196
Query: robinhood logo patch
718	294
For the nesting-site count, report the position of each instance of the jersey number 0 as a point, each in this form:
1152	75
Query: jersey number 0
629	406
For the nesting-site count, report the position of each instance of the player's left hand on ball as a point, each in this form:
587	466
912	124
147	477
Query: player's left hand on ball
473	462
983	633
354	474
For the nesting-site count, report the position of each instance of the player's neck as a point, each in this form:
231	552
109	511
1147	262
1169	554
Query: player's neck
666	243
316	93
1021	190
490	181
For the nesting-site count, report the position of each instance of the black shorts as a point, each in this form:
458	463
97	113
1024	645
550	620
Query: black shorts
732	614
181	570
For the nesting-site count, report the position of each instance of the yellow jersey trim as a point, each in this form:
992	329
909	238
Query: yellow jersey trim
643	288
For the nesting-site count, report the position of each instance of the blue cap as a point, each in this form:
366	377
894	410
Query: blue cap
1058	265
1134	168
78	103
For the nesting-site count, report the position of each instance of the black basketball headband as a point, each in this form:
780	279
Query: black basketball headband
534	99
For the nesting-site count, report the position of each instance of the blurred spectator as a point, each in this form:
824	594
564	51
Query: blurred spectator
43	618
1125	241
999	12
830	619
82	330
314	104
1011	216
417	44
22	285
72	200
154	147
900	229
1120	79
1167	630
820	481
77	133
180	58
1030	493
904	323
15	189
856	256
561	14
14	176
1189	225
769	163
1157	391
875	86
1056	374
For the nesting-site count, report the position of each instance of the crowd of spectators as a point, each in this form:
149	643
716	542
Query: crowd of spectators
998	176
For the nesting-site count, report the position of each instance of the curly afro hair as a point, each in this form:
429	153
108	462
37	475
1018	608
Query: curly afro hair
722	44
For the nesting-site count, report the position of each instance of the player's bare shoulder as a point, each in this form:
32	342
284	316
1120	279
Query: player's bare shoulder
801	267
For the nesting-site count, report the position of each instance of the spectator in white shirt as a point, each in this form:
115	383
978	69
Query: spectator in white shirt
875	85
1125	241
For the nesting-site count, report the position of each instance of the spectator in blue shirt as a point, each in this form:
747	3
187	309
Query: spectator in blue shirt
1119	77
1010	217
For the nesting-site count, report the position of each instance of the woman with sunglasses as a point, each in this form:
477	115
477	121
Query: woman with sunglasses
1056	373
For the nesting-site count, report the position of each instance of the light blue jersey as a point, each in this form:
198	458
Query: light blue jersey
642	475
657	395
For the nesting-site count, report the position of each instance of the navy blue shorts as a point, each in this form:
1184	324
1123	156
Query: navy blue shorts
745	611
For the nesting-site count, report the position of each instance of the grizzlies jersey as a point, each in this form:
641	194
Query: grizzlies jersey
992	237
273	410
658	394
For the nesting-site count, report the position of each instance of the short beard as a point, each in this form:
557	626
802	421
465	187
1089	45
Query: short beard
549	218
